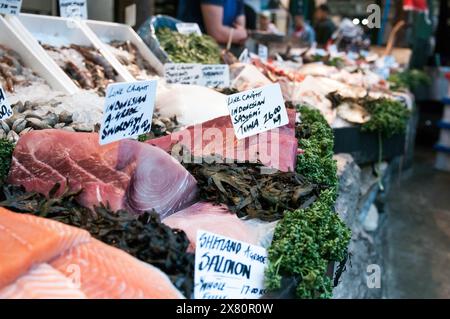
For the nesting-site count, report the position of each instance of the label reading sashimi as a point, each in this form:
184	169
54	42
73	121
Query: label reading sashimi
76	9
258	110
228	269
10	6
5	108
128	110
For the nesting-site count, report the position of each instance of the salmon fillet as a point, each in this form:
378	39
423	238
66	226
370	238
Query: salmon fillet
41	258
26	241
42	282
109	273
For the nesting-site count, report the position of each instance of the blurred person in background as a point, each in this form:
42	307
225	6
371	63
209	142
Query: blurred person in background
265	23
323	25
221	19
303	31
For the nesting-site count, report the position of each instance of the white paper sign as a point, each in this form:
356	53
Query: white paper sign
10	6
5	108
210	75
258	110
244	57
228	269
76	9
263	52
128	110
188	28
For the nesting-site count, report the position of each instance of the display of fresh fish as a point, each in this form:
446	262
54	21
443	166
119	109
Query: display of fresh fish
124	175
212	218
42	258
276	148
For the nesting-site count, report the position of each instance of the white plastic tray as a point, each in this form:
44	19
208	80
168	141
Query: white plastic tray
108	31
41	64
59	31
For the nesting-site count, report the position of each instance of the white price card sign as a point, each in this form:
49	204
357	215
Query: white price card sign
210	75
10	6
188	28
128	110
263	52
5	108
76	9
258	110
228	269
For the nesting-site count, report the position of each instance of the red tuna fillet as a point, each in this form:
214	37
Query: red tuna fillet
124	175
276	148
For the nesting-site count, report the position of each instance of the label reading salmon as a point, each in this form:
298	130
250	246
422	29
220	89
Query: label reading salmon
226	268
5	108
11	7
76	9
128	110
210	75
258	110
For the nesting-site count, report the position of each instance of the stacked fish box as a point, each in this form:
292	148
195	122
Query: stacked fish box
43	66
443	147
46	33
126	46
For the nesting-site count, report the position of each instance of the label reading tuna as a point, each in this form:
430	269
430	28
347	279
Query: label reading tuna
188	28
10	6
228	269
76	9
258	110
210	75
128	110
5	108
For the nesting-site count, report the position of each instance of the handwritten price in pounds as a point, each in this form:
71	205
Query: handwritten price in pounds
254	291
275	116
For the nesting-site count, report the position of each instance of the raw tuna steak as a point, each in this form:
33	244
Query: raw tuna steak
124	175
276	148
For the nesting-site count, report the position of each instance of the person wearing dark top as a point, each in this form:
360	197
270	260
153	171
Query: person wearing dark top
218	18
323	26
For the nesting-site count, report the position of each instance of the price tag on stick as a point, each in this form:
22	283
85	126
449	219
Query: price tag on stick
128	110
226	268
258	110
11	7
76	9
5	108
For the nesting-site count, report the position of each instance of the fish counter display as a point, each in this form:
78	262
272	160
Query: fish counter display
126	215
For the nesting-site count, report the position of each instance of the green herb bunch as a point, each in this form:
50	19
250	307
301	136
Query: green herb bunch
191	48
408	79
6	151
388	117
307	240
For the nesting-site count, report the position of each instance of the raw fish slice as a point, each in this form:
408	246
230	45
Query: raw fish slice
107	272
213	218
42	282
276	148
26	241
124	175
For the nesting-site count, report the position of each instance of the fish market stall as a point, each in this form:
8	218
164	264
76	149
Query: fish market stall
251	164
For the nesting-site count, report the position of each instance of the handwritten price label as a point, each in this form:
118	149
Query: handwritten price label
5	108
11	7
228	269
76	9
128	110
210	75
256	111
188	28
